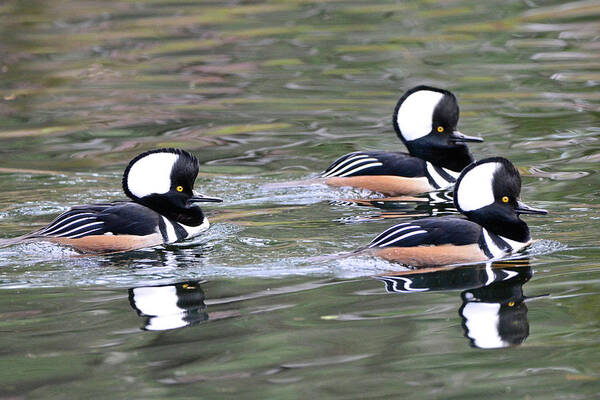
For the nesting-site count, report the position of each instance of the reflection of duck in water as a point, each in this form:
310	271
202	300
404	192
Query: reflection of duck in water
425	119
169	306
487	193
495	315
493	312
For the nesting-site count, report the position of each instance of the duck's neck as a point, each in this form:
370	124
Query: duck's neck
453	158
189	216
509	226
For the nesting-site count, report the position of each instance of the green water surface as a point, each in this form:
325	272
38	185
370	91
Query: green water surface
271	91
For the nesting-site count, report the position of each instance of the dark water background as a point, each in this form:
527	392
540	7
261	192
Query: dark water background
270	91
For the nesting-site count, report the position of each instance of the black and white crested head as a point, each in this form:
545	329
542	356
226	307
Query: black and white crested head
160	172
163	180
485	182
488	191
426	120
422	107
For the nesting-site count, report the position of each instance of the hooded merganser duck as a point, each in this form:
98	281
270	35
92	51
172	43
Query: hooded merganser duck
425	119
164	209
487	193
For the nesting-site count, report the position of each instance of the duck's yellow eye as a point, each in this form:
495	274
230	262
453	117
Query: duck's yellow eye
511	303
440	129
505	199
180	188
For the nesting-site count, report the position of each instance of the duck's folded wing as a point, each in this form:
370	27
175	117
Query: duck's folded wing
376	163
130	219
77	222
121	218
429	232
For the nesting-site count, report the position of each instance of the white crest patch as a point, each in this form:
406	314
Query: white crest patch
151	174
475	188
415	116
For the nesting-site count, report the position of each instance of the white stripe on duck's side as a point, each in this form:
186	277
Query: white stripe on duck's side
352	165
72	226
80	231
61	223
496	246
395	234
169	234
453	174
174	231
343	163
440	178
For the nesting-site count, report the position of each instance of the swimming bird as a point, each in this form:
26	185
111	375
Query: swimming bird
487	193
164	209
425	119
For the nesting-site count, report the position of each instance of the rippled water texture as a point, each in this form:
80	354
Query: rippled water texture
265	92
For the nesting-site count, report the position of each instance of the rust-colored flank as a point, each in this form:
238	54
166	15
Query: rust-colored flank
108	243
387	184
424	256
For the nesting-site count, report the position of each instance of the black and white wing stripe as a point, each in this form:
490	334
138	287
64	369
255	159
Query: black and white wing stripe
496	246
397	234
73	224
430	232
350	164
440	178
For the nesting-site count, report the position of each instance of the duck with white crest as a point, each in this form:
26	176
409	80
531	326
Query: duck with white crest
163	209
425	119
487	193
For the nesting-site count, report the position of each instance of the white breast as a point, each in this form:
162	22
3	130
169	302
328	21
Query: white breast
196	230
190	230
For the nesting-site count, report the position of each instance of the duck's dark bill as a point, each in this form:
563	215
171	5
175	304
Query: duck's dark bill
523	208
458	137
198	199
